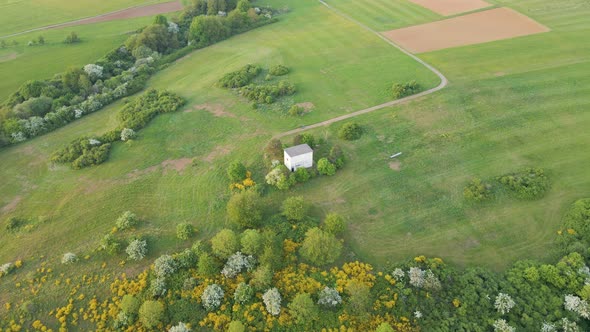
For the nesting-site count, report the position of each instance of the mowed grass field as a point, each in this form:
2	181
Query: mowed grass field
510	104
335	65
21	63
21	15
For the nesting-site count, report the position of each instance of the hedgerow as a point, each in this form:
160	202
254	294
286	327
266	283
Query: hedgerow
239	78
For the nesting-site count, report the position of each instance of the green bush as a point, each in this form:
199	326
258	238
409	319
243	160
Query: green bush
239	78
225	243
401	90
110	244
278	70
350	131
82	152
127	220
236	172
14	223
325	167
151	314
334	224
296	110
141	110
72	38
260	93
301	175
245	209
295	208
477	191
306	138
184	231
130	305
336	156
531	183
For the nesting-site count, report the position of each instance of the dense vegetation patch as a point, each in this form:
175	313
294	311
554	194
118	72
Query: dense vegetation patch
85	151
239	78
530	183
42	106
400	90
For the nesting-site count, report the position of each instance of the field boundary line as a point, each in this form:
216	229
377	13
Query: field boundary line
443	81
72	23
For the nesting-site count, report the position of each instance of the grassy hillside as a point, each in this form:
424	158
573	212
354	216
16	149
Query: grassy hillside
17	16
335	65
21	63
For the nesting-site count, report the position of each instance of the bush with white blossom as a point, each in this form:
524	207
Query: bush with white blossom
127	220
69	258
398	274
503	303
501	325
173	27
416	276
180	327
127	134
137	249
212	297
94	71
329	297
6	269
577	305
236	263
158	287
272	301
164	266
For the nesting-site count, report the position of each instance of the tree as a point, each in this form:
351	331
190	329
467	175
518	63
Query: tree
151	314
274	150
325	167
127	220
272	301
261	277
207	265
295	208
350	131
243	293
503	303
236	172
215	6
156	37
359	300
243	6
384	327
306	138
334	224
212	297
251	242
184	231
71	79
303	310
164	266
130	305
329	297
245	209
161	19
236	326
206	30
320	247
137	249
225	243
72	38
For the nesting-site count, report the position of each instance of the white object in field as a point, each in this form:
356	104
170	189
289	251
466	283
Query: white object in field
298	156
396	155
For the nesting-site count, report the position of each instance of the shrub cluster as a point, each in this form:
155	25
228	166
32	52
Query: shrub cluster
239	78
350	131
82	152
267	94
530	183
278	70
401	90
477	191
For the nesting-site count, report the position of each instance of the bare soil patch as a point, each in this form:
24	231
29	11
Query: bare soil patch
217	110
395	165
11	205
451	7
159	8
179	165
476	28
219	151
8	57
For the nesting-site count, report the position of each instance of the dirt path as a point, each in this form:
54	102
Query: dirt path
131	12
443	82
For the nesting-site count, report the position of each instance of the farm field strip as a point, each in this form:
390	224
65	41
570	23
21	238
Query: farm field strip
452	7
481	27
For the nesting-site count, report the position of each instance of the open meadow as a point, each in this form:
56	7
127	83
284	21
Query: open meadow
510	104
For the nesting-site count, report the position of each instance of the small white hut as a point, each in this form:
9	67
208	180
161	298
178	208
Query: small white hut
298	156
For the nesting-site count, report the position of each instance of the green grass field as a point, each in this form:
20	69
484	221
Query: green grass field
21	63
335	65
507	107
18	16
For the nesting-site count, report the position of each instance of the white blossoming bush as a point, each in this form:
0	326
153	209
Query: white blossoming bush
329	297
501	325
243	293
272	301
417	314
137	250
548	327
164	266
158	287
78	113
568	326
94	141
173	27
127	134
577	305
398	274
69	258
127	220
180	327
416	277
18	137
94	71
431	282
6	269
212	297
503	303
236	263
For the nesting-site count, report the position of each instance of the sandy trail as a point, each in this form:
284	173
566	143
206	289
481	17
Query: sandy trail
131	12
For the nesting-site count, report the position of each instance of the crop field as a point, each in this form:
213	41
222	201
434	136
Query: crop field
18	16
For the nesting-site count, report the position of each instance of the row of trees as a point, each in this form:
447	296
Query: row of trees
41	106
